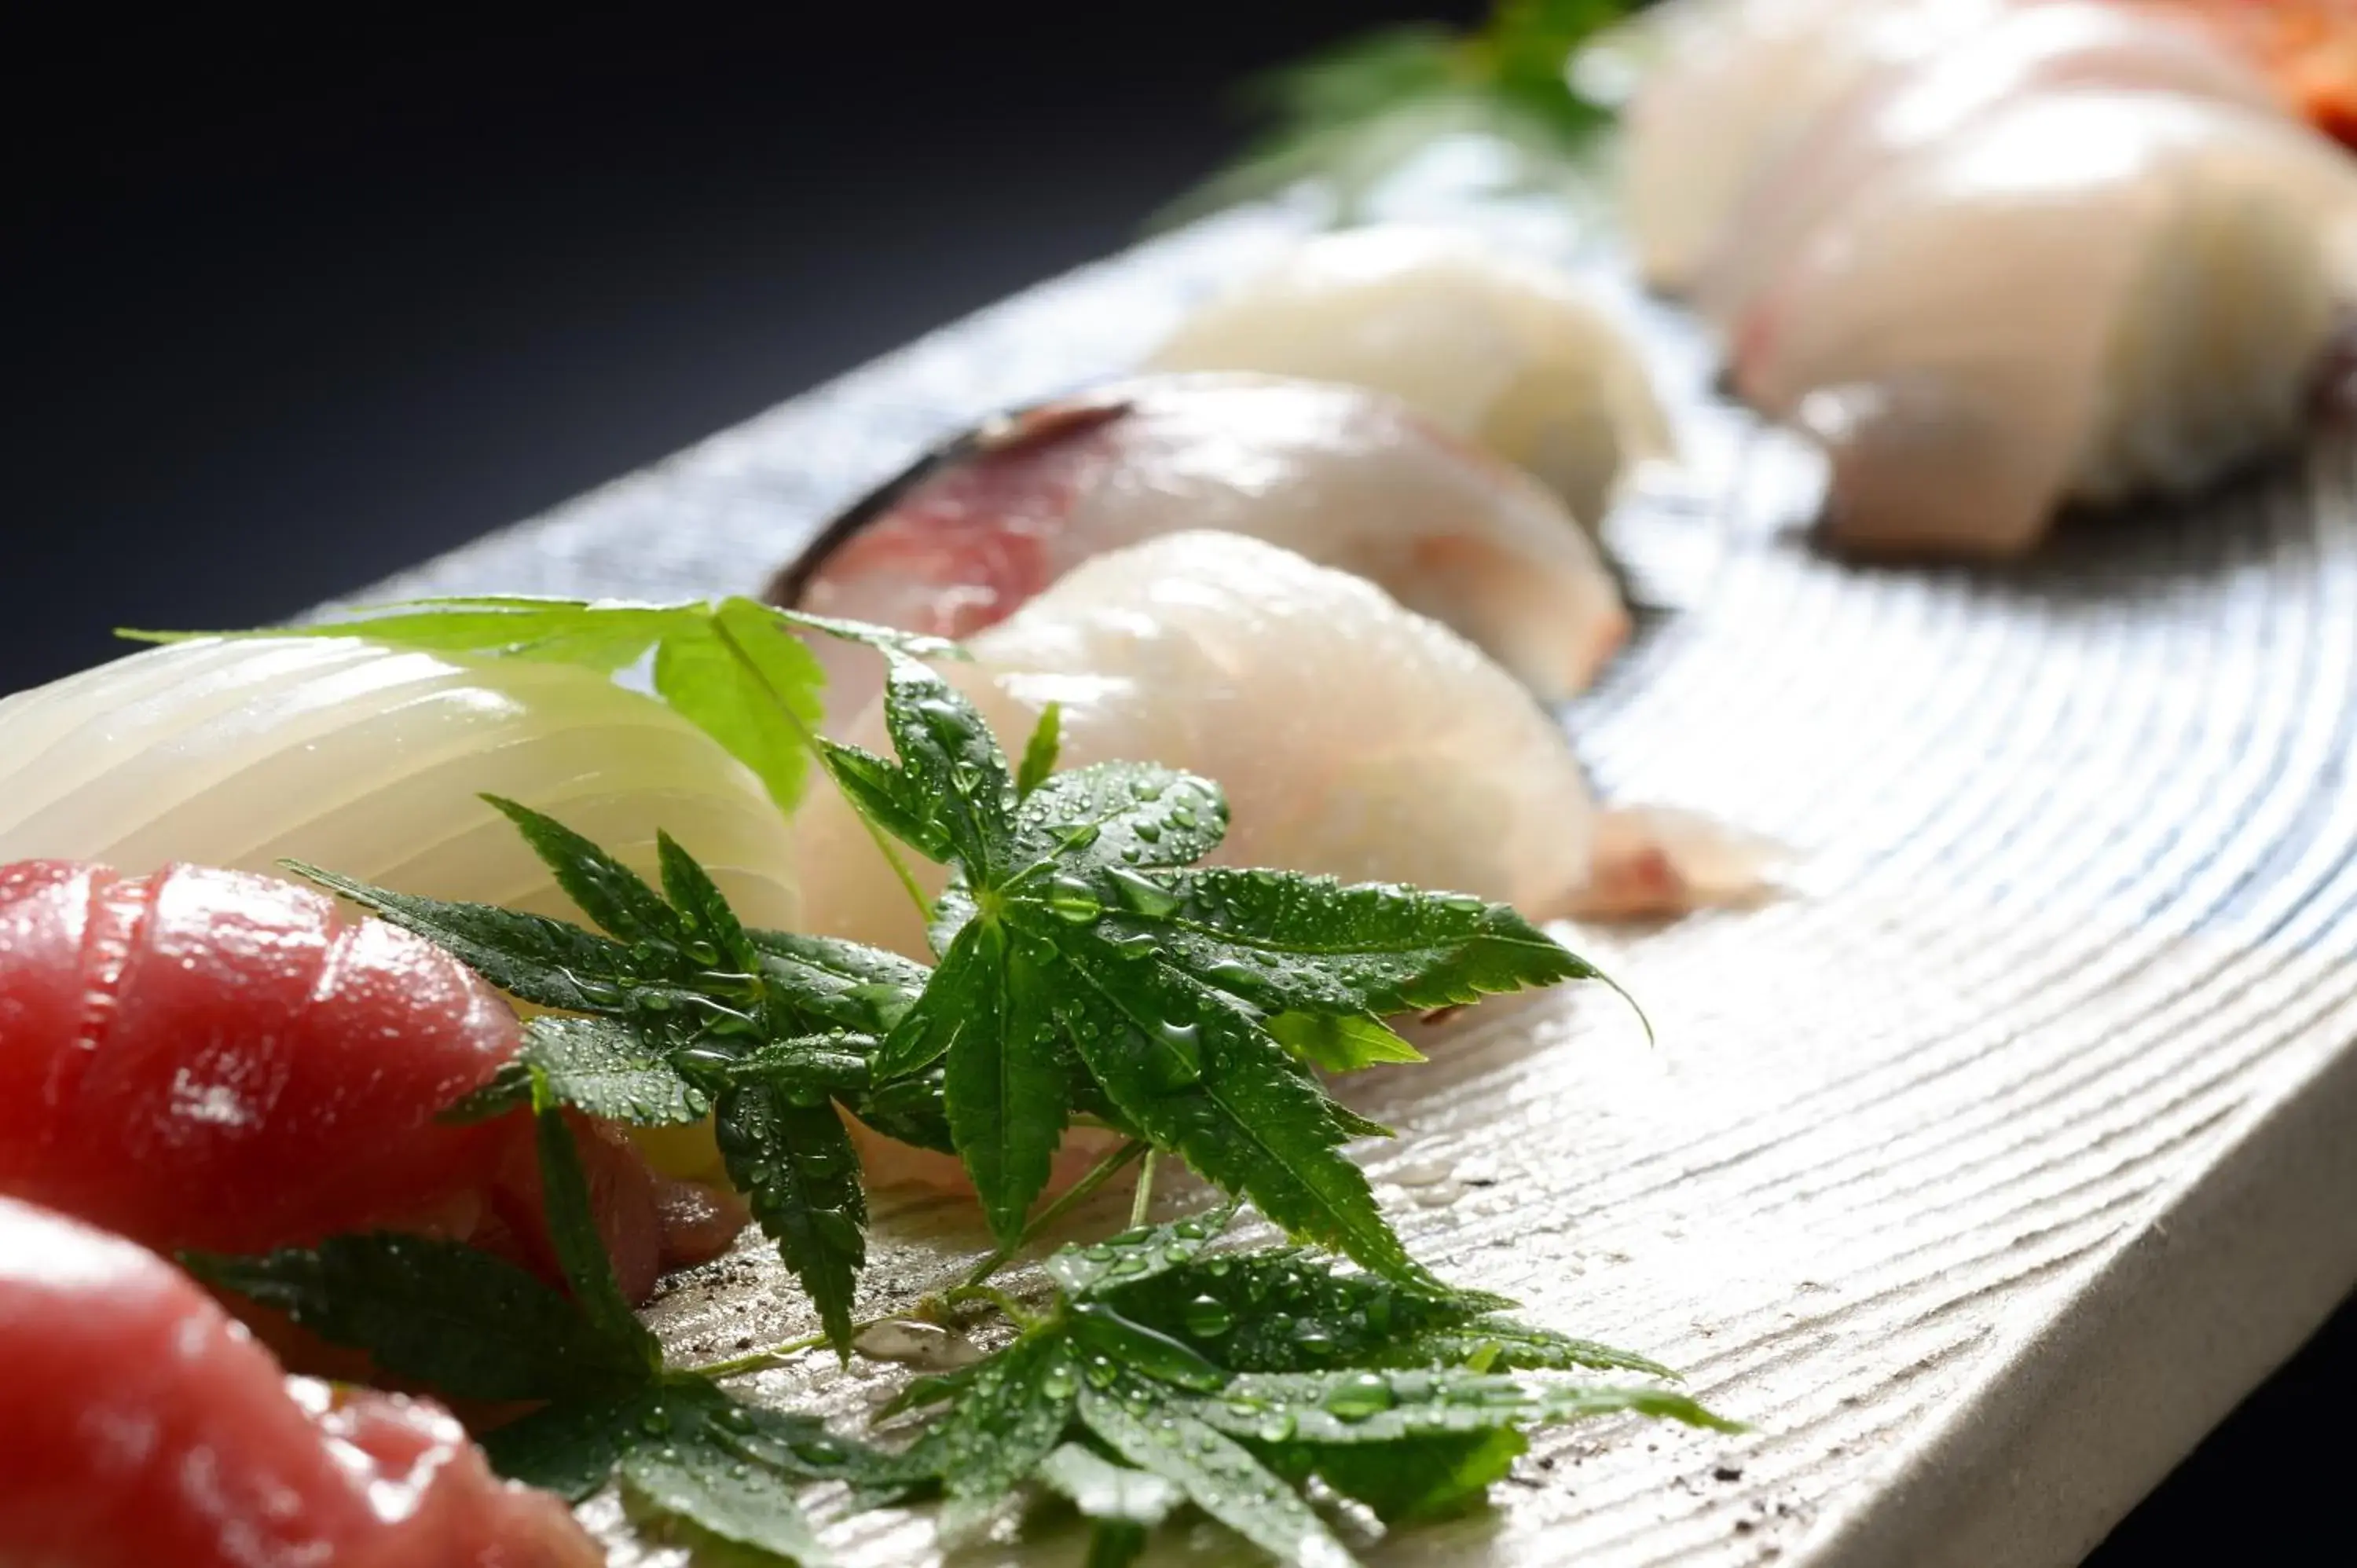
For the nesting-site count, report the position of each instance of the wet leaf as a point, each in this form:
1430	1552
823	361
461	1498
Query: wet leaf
1341	1043
797	1166
469	1324
1105	1490
1009	1412
1133	1257
597	1067
1144	1351
687	1449
722	1496
1417	1480
1082	963
1218	1474
1040	751
572	1234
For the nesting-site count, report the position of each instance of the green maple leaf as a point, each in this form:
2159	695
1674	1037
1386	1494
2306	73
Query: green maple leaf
1149	1379
1122	1504
726	1469
1084	963
687	1012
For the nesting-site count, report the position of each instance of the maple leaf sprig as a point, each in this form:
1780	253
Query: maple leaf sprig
684	1013
1087	965
1161	1373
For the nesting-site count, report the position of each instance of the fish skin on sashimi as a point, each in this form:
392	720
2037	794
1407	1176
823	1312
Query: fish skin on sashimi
1347	478
141	1427
219	1060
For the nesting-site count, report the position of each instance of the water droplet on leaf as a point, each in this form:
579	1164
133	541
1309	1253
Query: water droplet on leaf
1070	899
1360	1396
1142	895
1208	1318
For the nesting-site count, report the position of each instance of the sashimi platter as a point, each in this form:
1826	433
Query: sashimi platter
1650	868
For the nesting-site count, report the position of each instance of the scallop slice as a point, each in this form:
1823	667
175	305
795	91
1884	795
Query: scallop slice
1510	354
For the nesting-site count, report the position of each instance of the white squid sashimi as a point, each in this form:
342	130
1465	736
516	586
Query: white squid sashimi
1353	737
1347	478
1507	353
1739	81
1898	108
370	761
2083	295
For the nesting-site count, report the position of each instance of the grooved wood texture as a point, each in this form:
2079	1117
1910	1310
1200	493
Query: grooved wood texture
1981	1174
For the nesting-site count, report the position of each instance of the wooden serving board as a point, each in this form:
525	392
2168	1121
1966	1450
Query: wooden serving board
1982	1174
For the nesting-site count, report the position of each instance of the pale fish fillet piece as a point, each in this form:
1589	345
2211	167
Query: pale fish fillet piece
1735	84
1900	106
1344	477
1500	351
2080	294
1353	737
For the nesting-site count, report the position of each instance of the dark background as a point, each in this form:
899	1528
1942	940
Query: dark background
282	312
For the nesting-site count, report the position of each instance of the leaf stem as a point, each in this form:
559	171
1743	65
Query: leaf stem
892	857
1097	1176
883	844
1622	992
1005	1303
764	1359
1141	1202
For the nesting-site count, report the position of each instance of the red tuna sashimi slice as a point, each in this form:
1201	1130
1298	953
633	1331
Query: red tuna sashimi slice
214	1060
140	1425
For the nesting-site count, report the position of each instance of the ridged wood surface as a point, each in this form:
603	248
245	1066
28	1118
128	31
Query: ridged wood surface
1980	1173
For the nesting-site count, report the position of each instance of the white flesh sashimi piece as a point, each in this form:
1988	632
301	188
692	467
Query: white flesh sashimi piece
1347	478
1507	354
1353	737
370	761
2081	294
1900	107
1739	81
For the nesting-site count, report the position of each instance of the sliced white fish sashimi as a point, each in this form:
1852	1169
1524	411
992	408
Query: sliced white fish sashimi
1353	737
1739	81
1898	107
2080	294
1346	477
371	761
1507	353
